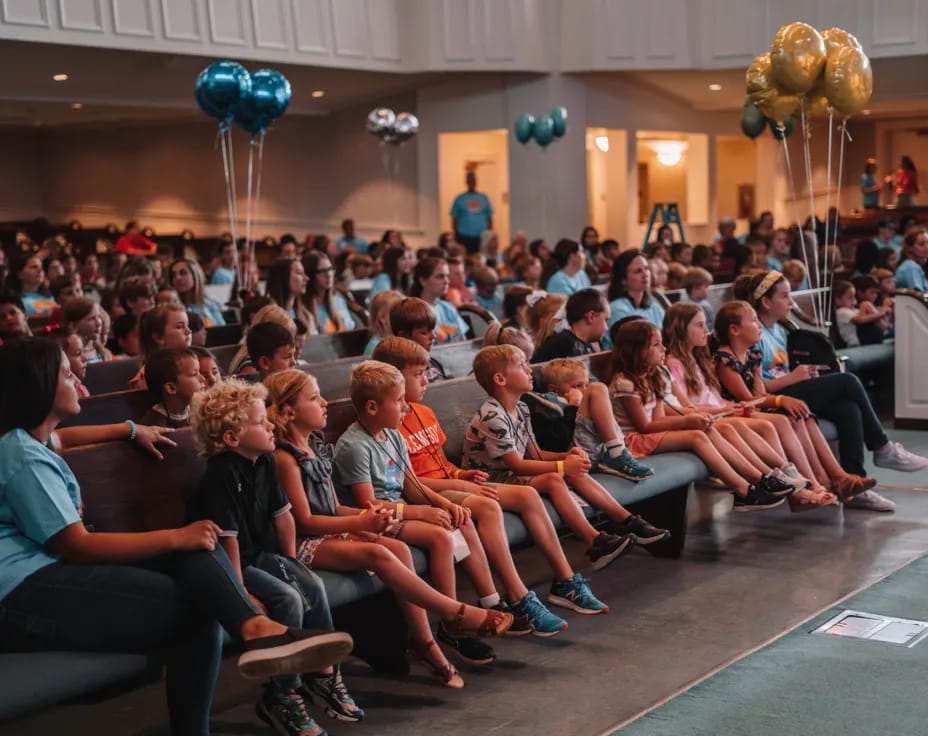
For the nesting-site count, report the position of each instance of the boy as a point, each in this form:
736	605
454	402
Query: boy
425	443
136	294
271	348
126	336
485	282
676	274
209	368
173	377
371	463
500	442
225	273
795	272
587	314
415	319
697	282
240	494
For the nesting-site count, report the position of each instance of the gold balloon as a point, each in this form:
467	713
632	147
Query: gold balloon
764	93
797	55
836	39
849	80
816	103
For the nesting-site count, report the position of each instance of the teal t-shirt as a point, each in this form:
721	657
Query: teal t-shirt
472	212
622	307
222	276
359	244
451	326
910	275
869	199
561	283
772	346
326	325
208	310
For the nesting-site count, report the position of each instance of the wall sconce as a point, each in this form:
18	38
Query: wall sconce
602	143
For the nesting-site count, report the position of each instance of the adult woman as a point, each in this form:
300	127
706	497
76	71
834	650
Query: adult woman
838	397
628	289
906	183
27	277
430	283
186	276
328	307
563	273
911	271
164	590
286	285
589	239
397	265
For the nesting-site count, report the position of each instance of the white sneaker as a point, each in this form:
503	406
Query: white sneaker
789	473
896	457
870	501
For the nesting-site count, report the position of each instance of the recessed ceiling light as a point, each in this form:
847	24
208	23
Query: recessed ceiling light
318	93
866	112
715	87
76	105
60	77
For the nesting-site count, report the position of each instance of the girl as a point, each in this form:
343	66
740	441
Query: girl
838	397
543	314
499	334
911	271
186	276
380	318
906	181
337	537
27	277
636	388
286	285
738	368
564	272
163	327
328	307
164	590
527	269
72	346
766	438
857	325
628	290
430	281
85	317
397	265
458	293
515	307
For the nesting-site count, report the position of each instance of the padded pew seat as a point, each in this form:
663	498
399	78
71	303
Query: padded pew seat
866	359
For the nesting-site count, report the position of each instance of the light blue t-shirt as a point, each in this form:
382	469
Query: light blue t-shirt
326	325
561	283
450	326
774	264
37	303
493	305
895	243
372	343
359	458
208	310
222	276
705	306
472	212
39	497
622	307
359	244
381	283
869	199
910	275
772	346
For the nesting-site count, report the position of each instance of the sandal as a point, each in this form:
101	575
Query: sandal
495	623
445	673
807	499
848	486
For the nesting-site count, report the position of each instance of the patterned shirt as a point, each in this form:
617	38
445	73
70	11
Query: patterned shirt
747	370
492	433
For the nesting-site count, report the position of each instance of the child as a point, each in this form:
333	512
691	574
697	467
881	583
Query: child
857	325
167	295
73	347
241	495
270	348
795	272
637	390
372	464
738	368
544	313
197	329
587	314
379	319
84	316
778	247
697	282
425	442
125	342
173	377
886	287
241	364
415	319
13	321
209	368
458	293
136	294
760	437
486	281
500	443
430	280
165	326
497	334
332	536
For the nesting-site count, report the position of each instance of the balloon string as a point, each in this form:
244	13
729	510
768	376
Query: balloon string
795	200
234	215
249	246
225	150
807	157
844	135
826	306
258	187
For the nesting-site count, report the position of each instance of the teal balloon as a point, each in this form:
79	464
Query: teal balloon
220	87
559	118
525	125
753	121
269	98
544	130
787	128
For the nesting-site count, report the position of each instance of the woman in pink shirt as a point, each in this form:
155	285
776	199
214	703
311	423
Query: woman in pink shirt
906	183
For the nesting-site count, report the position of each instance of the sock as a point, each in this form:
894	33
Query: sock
488	601
615	447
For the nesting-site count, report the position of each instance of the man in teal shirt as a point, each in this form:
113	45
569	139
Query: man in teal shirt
471	214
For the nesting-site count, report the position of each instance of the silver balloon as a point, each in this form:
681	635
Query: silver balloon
380	120
406	126
390	138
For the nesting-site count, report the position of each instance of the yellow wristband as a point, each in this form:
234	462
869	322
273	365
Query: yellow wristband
779	401
560	467
399	511
456	473
363	511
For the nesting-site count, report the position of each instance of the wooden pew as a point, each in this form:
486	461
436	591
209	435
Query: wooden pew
319	348
110	375
223	334
111	408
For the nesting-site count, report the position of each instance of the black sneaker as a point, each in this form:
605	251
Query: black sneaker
776	487
641	530
285	712
608	547
757	499
469	649
295	651
521	624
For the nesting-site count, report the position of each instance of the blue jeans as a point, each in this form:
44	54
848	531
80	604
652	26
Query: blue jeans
173	604
293	594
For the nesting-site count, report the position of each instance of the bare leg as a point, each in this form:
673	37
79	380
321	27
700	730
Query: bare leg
596	405
554	487
819	474
785	429
738	462
762	438
698	442
437	543
488	516
597	496
526	502
823	451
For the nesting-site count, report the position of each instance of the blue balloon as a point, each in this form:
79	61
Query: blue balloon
220	87
559	118
269	97
525	123
544	130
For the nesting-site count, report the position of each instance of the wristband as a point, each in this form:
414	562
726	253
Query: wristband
560	467
399	511
779	400
132	431
363	511
456	473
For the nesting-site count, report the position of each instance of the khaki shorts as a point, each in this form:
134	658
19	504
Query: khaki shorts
457	497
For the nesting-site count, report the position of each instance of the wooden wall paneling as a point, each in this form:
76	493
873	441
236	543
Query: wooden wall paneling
181	20
25	12
133	18
311	19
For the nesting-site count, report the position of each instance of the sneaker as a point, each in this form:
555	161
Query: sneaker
576	595
625	466
521	625
469	649
608	547
757	499
331	690
285	712
870	501
790	474
775	486
641	530
544	623
297	650
896	457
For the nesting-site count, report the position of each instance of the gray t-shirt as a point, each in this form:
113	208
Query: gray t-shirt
359	458
493	433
